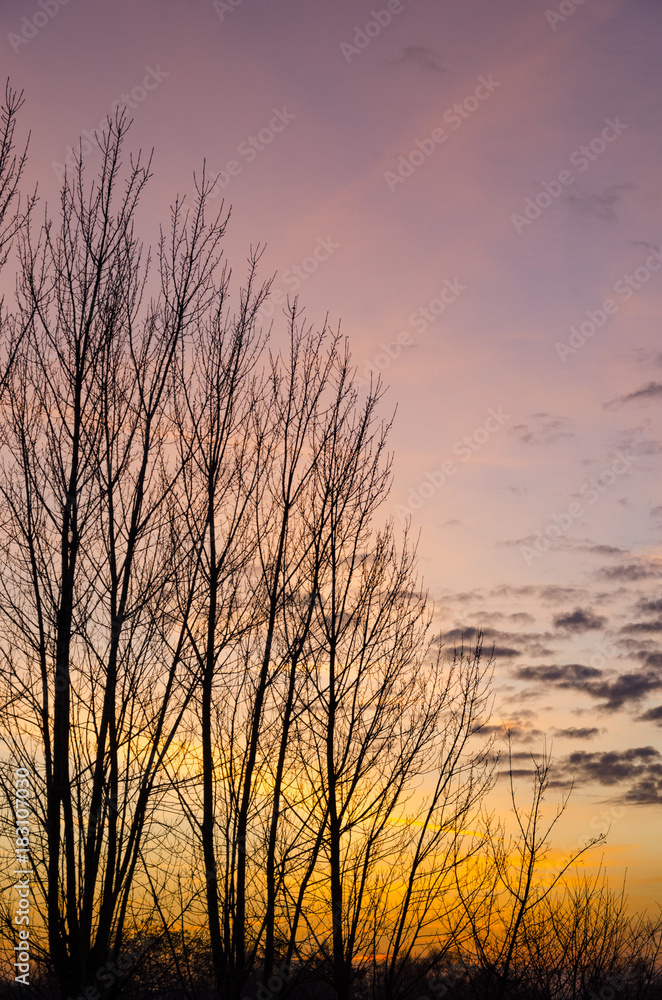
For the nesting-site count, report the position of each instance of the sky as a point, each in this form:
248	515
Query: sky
473	192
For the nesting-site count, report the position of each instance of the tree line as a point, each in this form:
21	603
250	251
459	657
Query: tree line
252	761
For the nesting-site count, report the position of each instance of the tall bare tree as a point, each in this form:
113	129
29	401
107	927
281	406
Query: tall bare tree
92	646
13	216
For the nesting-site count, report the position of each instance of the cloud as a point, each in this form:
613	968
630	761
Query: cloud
625	688
601	206
566	675
520	732
470	634
629	572
613	694
646	792
651	390
542	428
579	621
420	56
547	593
653	660
577	734
640	765
647	447
648	606
652	715
505	642
568	544
643	627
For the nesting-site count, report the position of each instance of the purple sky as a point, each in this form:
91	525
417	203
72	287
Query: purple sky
460	186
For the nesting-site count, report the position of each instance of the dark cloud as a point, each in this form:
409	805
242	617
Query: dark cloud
629	572
577	734
643	627
625	688
651	390
652	715
505	642
420	56
640	766
652	660
542	428
547	593
566	675
470	634
568	544
612	694
600	549
601	206
645	792
647	606
519	733
579	621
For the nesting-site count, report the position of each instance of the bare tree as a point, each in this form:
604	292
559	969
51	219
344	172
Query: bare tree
509	885
13	217
220	444
93	650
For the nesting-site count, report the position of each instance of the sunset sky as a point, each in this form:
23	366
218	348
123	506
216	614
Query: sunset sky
474	191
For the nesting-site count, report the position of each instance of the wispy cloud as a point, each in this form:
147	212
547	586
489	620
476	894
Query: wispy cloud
421	56
579	621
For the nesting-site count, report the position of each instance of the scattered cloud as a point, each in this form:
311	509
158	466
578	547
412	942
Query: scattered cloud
579	621
652	715
651	390
613	694
643	627
470	634
421	56
547	593
648	606
600	206
578	734
630	572
561	675
541	428
640	765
